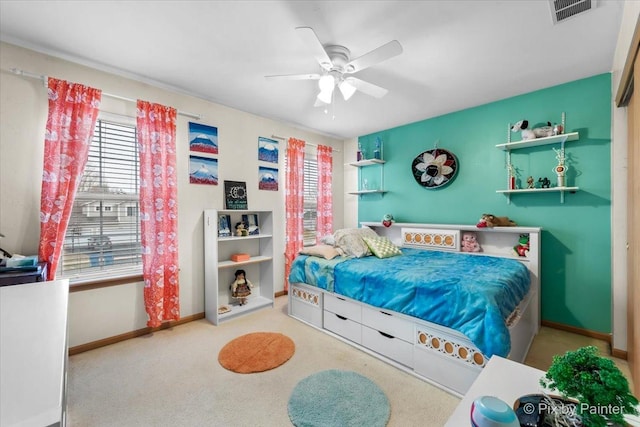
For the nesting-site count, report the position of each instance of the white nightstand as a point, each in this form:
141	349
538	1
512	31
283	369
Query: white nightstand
502	378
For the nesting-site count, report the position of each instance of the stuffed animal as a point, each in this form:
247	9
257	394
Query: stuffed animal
488	220
241	287
387	220
537	132
470	243
522	248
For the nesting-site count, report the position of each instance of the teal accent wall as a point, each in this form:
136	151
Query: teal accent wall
576	237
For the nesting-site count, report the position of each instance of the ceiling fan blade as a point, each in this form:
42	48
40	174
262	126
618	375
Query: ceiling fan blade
312	41
367	88
294	77
384	52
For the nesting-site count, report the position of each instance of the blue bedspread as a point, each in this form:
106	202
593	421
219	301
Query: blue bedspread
473	294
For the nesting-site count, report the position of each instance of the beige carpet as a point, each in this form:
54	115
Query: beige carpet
173	378
256	352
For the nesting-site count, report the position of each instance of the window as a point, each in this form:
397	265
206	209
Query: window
103	236
309	221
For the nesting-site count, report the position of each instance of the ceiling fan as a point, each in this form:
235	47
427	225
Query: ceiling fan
337	68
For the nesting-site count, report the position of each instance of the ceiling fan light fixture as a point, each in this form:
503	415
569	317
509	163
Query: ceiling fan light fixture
325	96
347	89
326	83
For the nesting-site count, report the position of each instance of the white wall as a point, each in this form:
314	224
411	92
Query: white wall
619	182
106	312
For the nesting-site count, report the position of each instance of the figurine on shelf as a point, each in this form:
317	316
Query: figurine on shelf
558	129
387	220
241	287
544	182
512	177
560	169
530	182
377	152
241	229
522	248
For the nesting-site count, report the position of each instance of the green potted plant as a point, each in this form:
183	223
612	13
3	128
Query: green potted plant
600	389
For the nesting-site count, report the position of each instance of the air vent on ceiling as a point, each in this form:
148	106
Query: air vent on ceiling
565	9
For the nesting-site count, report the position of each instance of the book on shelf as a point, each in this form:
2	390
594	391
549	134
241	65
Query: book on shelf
224	225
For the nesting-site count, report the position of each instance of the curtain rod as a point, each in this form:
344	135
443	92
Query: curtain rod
23	73
306	143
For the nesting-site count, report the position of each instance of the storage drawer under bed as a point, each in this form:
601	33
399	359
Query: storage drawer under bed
392	347
344	307
343	326
388	322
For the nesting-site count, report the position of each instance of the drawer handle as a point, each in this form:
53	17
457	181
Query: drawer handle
341	317
388	314
386	335
341	299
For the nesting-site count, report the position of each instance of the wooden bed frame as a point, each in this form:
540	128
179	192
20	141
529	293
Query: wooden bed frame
434	353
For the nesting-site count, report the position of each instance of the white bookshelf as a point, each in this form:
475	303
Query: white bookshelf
219	269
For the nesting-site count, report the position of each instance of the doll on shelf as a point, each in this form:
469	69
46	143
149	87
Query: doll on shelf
241	287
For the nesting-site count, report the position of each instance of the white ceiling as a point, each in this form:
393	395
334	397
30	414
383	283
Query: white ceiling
457	54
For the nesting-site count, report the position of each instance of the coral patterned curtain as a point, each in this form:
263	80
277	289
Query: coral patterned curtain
73	110
294	204
324	224
156	128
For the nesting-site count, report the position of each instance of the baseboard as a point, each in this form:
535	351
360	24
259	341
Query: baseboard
133	334
580	331
620	354
140	332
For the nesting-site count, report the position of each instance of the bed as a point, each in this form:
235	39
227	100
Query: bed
430	310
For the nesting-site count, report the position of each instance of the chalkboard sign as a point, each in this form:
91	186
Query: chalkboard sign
235	195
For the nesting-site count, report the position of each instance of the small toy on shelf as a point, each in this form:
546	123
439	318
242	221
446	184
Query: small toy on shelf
544	182
530	182
241	287
387	220
470	243
522	248
537	132
558	129
488	220
241	229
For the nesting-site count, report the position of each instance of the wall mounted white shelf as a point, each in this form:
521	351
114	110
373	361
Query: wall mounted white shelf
537	142
562	190
361	192
362	187
574	136
367	162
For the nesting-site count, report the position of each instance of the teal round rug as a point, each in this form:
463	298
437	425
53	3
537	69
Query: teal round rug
338	398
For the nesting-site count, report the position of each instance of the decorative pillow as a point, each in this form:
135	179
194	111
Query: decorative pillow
350	241
323	251
382	247
328	240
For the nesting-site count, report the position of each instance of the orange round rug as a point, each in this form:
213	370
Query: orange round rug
256	352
